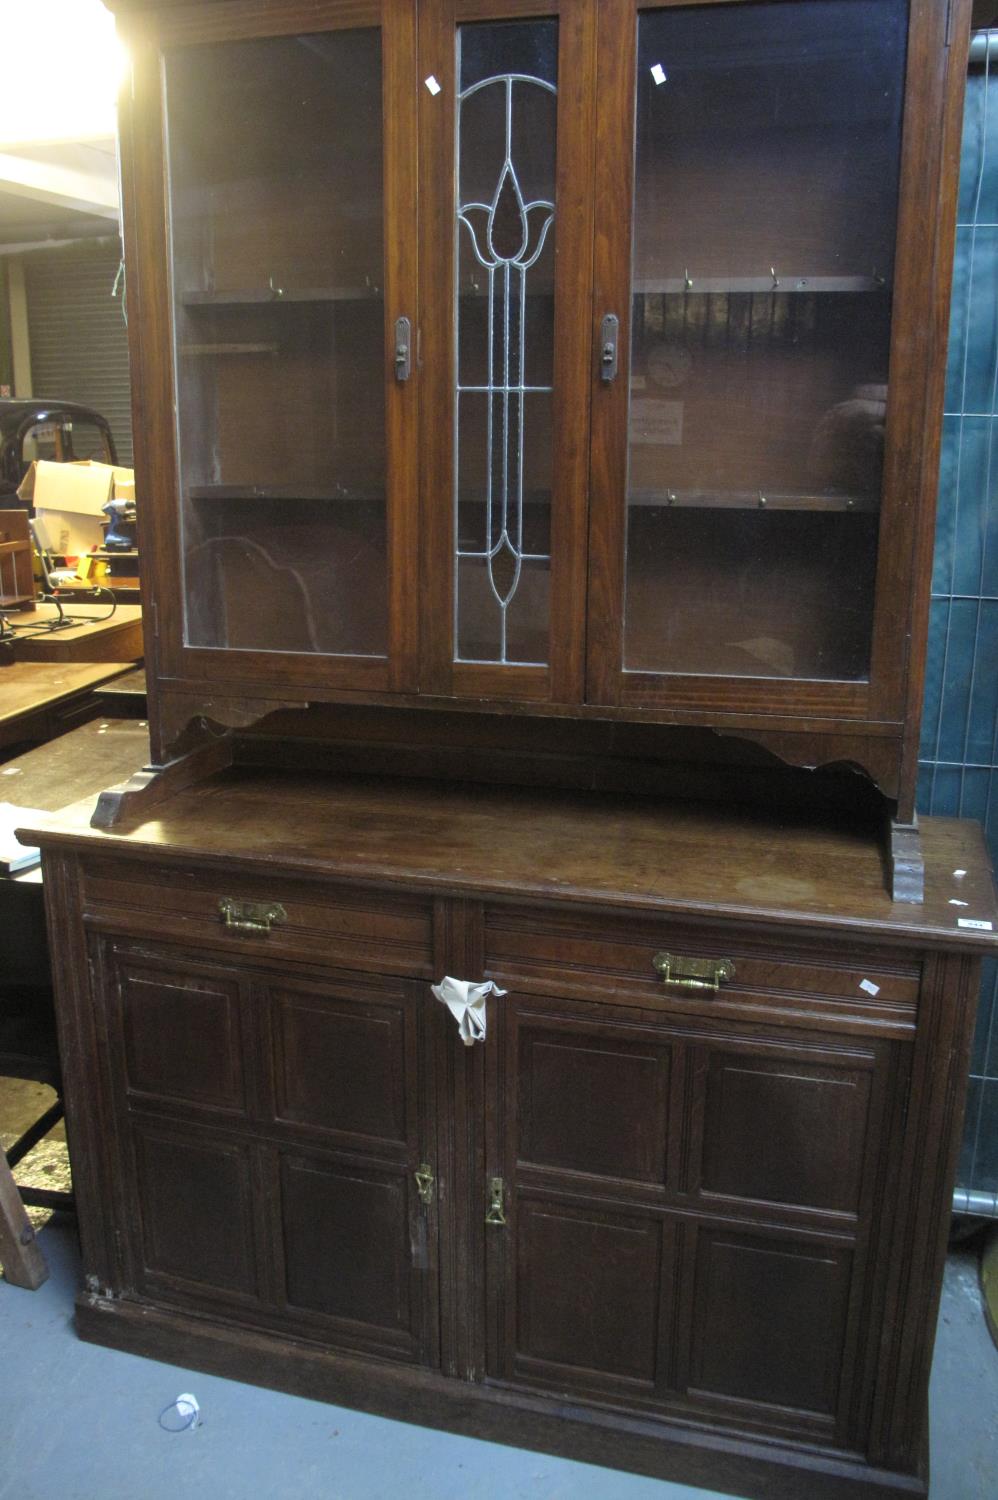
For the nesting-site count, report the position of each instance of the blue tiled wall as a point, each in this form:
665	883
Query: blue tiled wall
958	767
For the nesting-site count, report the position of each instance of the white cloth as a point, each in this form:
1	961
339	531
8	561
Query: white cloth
466	1003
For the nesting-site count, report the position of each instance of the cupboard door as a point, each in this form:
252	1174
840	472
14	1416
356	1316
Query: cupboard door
681	1216
581	1272
277	1142
749	546
505	121
349	1101
289	285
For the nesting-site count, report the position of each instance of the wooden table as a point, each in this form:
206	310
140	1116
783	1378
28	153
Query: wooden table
39	700
125	697
97	638
76	766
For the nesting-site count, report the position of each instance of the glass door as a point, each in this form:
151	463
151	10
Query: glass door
744	303
505	115
291	196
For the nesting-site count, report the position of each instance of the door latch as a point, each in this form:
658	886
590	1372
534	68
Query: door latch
403	348
608	337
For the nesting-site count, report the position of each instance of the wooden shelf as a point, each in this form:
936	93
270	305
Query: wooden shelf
215	349
644	286
265	297
749	500
282	493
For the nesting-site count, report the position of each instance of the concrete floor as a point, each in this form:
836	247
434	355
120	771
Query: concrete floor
79	1422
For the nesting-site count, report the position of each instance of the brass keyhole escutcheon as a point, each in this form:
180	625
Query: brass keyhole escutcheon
495	1213
424	1182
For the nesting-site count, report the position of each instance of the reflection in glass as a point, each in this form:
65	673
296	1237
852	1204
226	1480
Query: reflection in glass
276	207
505	275
765	203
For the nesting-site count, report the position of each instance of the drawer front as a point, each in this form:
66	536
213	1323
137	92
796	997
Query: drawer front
387	932
599	957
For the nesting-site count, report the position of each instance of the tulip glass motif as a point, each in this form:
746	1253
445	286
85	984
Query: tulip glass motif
505	233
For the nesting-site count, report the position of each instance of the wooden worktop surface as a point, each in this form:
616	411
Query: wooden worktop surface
636	853
27	686
77	765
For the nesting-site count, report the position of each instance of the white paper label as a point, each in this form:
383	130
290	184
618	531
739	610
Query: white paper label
432	84
869	986
658	73
654	421
954	902
972	922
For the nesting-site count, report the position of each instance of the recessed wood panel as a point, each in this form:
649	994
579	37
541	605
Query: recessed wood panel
346	1242
588	1290
194	1196
785	1131
769	1320
592	1104
182	1038
340	1065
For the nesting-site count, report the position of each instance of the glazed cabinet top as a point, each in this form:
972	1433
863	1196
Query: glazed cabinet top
582	356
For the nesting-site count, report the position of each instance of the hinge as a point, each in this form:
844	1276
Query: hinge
154	620
950	18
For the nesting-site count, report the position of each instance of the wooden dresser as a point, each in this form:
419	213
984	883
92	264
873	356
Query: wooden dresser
518	995
697	1232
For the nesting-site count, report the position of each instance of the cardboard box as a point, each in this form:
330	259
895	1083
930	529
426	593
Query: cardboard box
69	501
83	488
66	533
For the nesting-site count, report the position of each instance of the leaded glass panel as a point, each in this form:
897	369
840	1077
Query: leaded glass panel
506	136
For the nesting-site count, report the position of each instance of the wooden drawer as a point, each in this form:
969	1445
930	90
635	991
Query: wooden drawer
611	959
388	932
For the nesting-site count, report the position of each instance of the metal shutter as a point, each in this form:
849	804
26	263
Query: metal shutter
79	346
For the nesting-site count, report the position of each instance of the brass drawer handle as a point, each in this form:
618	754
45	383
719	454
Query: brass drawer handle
495	1213
694	973
250	916
424	1182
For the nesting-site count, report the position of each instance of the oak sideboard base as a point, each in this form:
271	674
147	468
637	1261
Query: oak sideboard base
662	1449
682	1207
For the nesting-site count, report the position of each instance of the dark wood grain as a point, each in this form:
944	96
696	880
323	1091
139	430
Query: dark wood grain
615	1110
724	1209
937	321
615	851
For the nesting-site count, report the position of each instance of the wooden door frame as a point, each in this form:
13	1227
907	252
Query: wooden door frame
918	330
147	251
